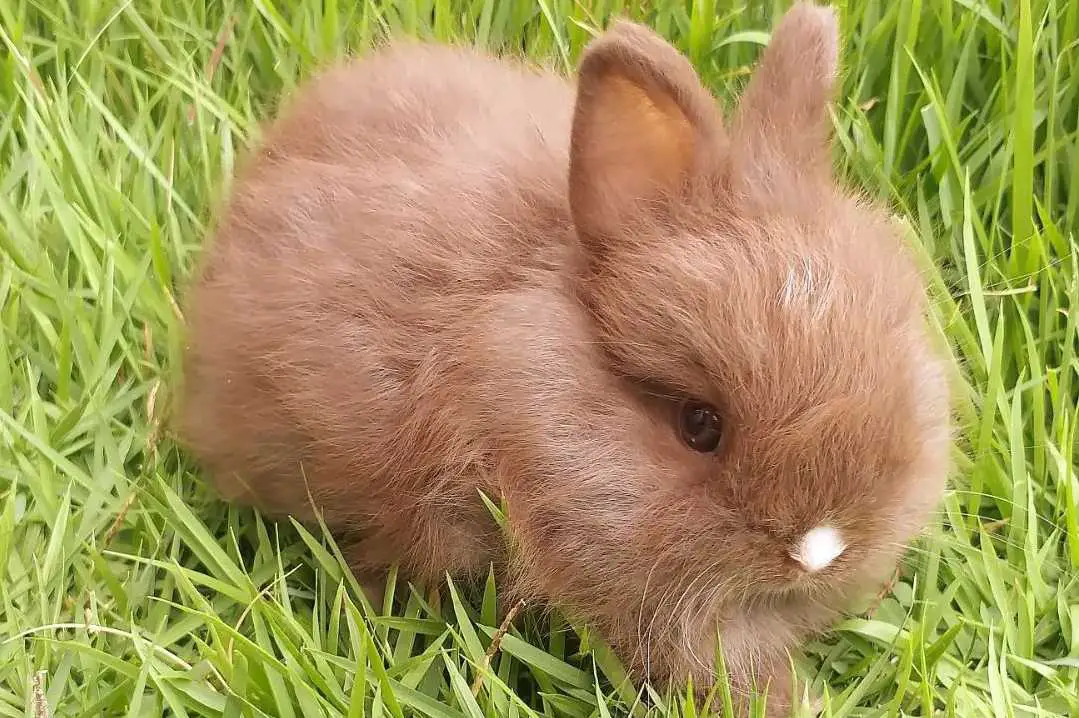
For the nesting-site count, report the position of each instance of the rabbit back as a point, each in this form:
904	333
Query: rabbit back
390	204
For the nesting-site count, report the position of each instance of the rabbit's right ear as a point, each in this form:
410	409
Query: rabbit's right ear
642	126
782	128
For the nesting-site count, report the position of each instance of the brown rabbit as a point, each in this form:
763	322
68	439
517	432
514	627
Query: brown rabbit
696	369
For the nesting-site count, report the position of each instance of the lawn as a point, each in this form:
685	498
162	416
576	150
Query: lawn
128	590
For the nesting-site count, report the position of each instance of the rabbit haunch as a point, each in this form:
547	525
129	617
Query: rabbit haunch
694	366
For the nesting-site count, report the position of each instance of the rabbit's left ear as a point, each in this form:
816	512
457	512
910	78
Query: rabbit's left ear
642	126
783	127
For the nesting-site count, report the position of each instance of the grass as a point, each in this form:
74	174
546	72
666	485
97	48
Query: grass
127	590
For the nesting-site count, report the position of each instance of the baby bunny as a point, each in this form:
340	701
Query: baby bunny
696	369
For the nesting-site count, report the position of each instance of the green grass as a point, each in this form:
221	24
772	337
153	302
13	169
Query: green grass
127	590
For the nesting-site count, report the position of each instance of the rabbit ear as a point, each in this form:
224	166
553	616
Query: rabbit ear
643	124
783	125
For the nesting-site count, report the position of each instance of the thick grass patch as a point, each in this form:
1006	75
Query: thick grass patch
128	591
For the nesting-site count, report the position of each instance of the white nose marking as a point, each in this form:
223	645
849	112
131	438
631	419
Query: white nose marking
819	547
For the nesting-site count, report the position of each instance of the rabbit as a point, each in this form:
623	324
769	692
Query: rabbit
694	366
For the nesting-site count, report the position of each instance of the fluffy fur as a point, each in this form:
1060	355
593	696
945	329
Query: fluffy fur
442	272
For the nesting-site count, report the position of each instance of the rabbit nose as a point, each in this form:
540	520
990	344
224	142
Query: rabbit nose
819	548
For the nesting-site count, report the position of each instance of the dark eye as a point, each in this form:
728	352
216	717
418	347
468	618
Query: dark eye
700	426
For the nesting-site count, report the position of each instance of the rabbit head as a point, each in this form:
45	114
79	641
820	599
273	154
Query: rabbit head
776	313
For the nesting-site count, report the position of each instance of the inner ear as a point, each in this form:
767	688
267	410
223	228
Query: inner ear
646	134
643	126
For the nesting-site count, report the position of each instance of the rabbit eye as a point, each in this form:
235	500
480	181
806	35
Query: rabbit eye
700	426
